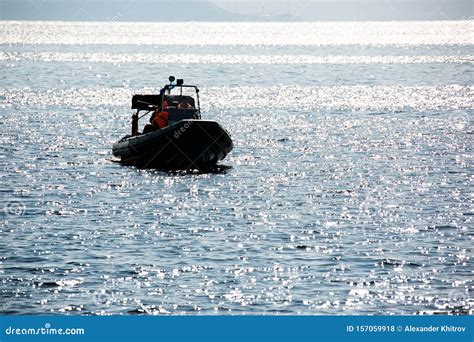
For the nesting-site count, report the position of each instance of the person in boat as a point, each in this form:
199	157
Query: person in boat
185	105
159	119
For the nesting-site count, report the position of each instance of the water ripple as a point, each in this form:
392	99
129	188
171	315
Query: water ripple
188	58
348	190
276	97
267	34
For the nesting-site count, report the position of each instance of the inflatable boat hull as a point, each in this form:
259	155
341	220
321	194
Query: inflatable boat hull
186	144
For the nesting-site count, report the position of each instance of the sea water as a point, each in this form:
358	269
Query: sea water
349	189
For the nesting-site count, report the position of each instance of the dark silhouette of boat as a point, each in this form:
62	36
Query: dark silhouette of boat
185	141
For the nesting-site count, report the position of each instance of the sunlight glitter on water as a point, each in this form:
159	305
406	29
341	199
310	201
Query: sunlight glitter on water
276	97
226	59
288	34
347	192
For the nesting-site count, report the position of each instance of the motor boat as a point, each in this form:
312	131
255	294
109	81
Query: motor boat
181	140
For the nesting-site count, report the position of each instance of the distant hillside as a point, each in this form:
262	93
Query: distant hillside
385	10
352	10
115	10
236	10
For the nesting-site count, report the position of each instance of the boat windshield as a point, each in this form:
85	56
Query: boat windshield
185	91
182	95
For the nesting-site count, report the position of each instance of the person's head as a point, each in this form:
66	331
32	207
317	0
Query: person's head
185	104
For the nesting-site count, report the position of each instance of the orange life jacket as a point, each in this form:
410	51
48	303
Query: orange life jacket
161	119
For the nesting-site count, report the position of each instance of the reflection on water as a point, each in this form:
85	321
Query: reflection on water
249	34
347	192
